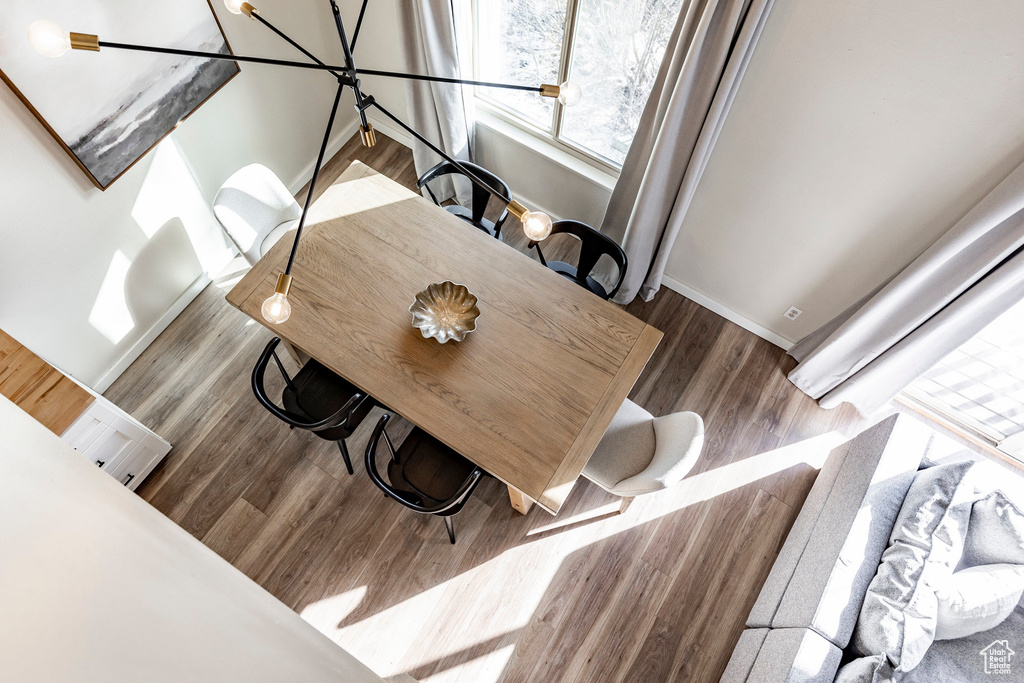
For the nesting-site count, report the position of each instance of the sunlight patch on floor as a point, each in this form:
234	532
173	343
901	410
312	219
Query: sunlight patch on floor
691	491
711	483
326	614
587	516
432	637
483	667
456	628
363	639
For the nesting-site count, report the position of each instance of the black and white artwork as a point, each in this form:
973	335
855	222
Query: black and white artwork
109	108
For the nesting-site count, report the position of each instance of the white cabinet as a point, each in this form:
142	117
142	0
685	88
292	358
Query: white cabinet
116	442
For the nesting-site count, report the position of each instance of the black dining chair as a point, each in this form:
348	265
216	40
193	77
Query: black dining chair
316	400
423	474
593	245
473	214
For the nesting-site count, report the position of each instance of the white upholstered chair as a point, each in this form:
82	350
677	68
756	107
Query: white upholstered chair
642	454
256	210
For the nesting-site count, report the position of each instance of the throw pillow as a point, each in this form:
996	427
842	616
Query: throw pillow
897	618
873	669
997	528
976	599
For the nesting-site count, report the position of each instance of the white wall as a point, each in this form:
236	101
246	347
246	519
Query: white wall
862	131
99	586
378	47
70	291
581	191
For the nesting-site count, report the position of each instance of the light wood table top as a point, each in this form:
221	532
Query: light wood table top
39	389
527	396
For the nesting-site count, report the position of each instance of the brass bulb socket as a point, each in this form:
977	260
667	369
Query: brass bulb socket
368	135
248	10
284	284
518	210
85	41
550	90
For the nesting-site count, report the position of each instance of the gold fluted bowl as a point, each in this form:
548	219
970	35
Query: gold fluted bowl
445	310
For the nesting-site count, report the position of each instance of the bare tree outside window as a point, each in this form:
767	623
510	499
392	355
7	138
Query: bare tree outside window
618	49
520	41
615	51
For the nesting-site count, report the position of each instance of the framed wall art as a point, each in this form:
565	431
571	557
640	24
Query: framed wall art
108	109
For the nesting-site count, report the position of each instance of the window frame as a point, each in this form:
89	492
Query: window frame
553	134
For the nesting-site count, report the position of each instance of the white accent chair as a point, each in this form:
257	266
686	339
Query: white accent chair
256	210
642	454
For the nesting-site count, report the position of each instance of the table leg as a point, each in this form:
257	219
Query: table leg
298	355
519	500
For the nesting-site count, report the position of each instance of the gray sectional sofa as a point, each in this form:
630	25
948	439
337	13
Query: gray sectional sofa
806	612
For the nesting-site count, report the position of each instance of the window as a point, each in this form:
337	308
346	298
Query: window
980	386
610	48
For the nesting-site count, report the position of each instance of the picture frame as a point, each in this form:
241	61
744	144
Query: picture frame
108	110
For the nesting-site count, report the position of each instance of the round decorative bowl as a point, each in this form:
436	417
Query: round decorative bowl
445	310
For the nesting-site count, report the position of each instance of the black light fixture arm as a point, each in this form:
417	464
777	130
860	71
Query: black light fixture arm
346	78
340	24
316	173
259	17
359	24
223	57
351	66
276	308
335	70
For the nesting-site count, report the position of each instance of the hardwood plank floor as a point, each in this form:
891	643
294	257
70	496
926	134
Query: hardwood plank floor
659	593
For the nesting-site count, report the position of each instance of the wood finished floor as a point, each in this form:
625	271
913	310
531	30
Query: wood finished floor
657	594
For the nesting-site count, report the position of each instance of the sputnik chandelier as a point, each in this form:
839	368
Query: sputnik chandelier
50	40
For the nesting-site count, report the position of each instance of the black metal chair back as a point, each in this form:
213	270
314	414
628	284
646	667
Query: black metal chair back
315	399
593	245
423	474
473	214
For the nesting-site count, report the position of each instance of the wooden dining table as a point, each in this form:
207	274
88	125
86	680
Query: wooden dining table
527	396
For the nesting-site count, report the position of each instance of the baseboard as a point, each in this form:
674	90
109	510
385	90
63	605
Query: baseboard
391	130
727	313
136	349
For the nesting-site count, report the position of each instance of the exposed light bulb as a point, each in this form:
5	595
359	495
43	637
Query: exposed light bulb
569	94
48	39
276	309
537	225
234	6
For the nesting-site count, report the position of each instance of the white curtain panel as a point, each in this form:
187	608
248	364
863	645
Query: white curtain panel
707	55
969	277
438	111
